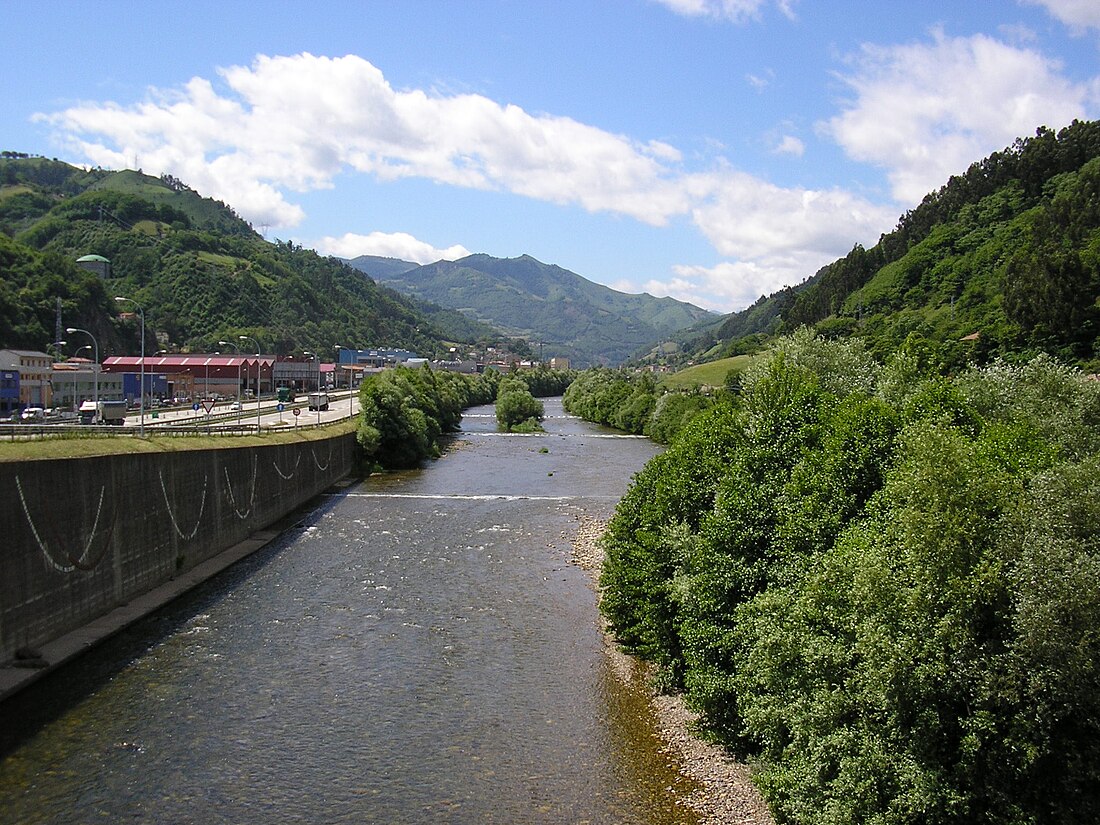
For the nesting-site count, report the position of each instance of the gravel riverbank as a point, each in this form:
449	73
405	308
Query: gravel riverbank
725	795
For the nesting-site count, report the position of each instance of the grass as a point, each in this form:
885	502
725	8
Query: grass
228	261
711	374
83	446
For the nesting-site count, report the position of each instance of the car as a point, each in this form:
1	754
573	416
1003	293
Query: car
33	415
236	405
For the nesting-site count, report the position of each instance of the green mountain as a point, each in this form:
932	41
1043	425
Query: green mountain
199	271
381	268
1004	259
565	314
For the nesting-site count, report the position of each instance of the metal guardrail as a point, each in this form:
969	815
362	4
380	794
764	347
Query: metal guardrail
223	422
18	432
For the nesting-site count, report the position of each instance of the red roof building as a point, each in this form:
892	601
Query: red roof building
214	369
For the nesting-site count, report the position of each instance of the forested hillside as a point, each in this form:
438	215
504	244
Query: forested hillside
565	313
200	272
1003	259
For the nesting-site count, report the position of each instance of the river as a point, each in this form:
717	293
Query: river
417	649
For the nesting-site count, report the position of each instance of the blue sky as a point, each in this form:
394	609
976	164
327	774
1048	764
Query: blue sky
712	150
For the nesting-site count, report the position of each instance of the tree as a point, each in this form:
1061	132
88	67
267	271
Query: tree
516	408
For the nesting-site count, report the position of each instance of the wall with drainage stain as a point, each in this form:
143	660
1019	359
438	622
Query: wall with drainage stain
85	535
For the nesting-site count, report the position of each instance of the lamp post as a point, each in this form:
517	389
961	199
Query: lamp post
257	343
317	358
347	371
238	349
141	395
95	368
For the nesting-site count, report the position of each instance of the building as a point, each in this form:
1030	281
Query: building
377	358
9	392
34	375
95	263
182	376
79	379
303	374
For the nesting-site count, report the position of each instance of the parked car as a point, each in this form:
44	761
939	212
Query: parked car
33	415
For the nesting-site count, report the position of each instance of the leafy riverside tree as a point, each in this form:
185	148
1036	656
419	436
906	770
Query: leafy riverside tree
631	401
405	411
882	583
517	409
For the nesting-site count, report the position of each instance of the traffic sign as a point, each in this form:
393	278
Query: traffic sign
196	406
208	406
297	410
280	407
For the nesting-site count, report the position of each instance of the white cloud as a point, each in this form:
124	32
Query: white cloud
748	218
738	11
288	124
1078	14
926	111
760	81
737	284
296	122
775	236
399	245
790	145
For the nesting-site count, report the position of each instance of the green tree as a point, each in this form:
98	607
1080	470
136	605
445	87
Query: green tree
516	408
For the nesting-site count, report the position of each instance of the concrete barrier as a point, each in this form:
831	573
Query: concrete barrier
83	536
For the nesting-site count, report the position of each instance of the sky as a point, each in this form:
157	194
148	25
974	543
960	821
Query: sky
709	150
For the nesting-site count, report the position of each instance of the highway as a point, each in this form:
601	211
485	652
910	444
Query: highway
342	404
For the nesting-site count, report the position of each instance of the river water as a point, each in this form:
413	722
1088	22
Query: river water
417	649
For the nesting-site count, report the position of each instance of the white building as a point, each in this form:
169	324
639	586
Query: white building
34	375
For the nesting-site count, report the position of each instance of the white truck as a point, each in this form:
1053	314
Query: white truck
106	412
318	401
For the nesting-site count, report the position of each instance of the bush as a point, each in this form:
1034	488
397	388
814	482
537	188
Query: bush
881	582
517	409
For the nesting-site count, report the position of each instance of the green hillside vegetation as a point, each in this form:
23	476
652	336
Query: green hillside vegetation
381	268
31	283
708	374
199	271
1003	260
561	311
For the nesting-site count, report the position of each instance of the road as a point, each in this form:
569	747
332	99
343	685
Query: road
340	406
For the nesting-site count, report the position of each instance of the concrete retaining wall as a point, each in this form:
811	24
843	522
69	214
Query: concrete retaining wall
82	536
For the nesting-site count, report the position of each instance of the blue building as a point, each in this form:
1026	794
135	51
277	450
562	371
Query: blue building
156	385
9	392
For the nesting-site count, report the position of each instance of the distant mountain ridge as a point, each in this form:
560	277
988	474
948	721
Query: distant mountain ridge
560	310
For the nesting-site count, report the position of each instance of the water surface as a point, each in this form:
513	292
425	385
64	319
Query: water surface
418	649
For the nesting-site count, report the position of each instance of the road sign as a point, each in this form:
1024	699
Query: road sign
280	407
208	406
196	406
297	410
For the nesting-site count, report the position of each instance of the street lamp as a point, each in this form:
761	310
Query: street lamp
317	358
238	349
141	396
347	371
95	369
257	343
